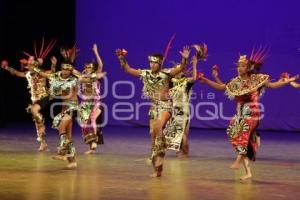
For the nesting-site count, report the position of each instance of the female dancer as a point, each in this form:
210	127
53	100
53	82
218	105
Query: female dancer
246	89
177	128
90	108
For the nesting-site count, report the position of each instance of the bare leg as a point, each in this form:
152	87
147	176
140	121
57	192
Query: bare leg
237	162
185	144
41	136
158	166
70	147
246	164
158	159
93	144
152	122
62	129
40	126
69	127
258	141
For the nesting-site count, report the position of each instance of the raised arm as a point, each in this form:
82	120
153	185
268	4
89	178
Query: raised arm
281	82
185	53
194	69
98	58
12	71
76	73
194	64
211	83
215	74
42	73
87	79
121	53
53	64
80	76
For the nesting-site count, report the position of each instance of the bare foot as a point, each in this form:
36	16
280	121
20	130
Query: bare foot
72	165
182	155
59	157
158	171
235	166
247	176
155	175
90	151
93	145
43	146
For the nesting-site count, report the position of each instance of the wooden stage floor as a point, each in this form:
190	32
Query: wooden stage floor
120	169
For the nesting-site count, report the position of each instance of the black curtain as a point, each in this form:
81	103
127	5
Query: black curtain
22	23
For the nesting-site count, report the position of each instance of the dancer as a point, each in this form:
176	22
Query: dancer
38	89
90	109
156	87
246	89
177	128
63	85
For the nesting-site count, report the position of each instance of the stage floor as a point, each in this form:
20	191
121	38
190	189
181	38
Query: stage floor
120	169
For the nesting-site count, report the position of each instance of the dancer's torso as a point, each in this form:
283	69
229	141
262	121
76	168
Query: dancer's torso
63	88
90	90
37	85
156	86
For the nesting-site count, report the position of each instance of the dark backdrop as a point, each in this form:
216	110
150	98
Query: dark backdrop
22	22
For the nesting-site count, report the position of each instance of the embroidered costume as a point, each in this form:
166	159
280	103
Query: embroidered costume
152	84
241	130
90	104
180	121
60	87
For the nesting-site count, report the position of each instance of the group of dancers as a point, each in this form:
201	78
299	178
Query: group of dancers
66	85
169	93
168	90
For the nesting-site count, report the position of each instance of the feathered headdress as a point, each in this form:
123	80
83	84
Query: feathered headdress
42	52
202	52
167	49
256	58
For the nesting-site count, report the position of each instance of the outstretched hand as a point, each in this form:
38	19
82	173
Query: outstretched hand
215	71
201	77
185	53
53	60
95	48
121	52
294	78
4	64
285	77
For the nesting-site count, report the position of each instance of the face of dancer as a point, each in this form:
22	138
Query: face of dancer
242	69
89	68
65	73
154	66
